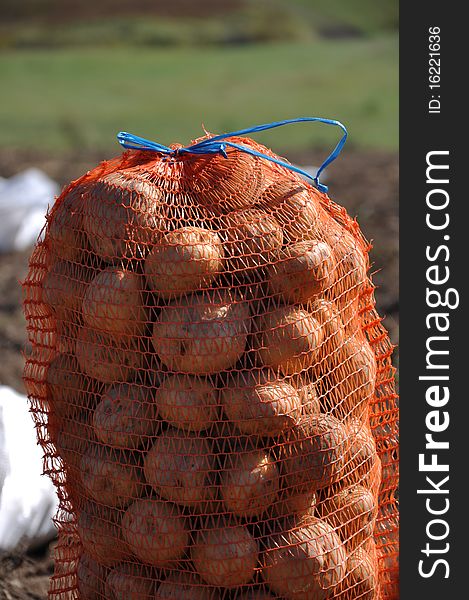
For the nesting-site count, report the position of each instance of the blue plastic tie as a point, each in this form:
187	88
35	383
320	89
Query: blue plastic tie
218	145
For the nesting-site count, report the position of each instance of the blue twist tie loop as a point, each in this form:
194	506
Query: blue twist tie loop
219	143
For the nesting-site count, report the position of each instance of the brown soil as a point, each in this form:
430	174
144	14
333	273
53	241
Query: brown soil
366	183
25	576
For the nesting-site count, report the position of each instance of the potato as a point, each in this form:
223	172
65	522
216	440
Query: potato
70	392
184	260
130	581
203	333
223	184
156	532
122	216
105	359
304	271
72	435
361	580
63	288
352	512
90	578
101	535
310	402
371	479
295	504
362	455
71	438
187	402
180	468
350	381
312	454
352	265
327	314
259	403
184	585
66	335
227	439
65	227
126	417
288	339
296	208
305	562
225	554
110	476
249	483
251	237
113	303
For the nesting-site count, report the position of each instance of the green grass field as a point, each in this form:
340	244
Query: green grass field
57	99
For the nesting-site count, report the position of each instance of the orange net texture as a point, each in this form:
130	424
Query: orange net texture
212	386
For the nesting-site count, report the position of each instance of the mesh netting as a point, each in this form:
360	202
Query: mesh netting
212	386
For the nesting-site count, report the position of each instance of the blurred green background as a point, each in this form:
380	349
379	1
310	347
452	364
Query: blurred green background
75	73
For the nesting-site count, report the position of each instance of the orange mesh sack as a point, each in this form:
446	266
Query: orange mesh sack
211	384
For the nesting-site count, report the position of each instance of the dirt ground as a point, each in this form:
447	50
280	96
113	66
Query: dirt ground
366	183
25	576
